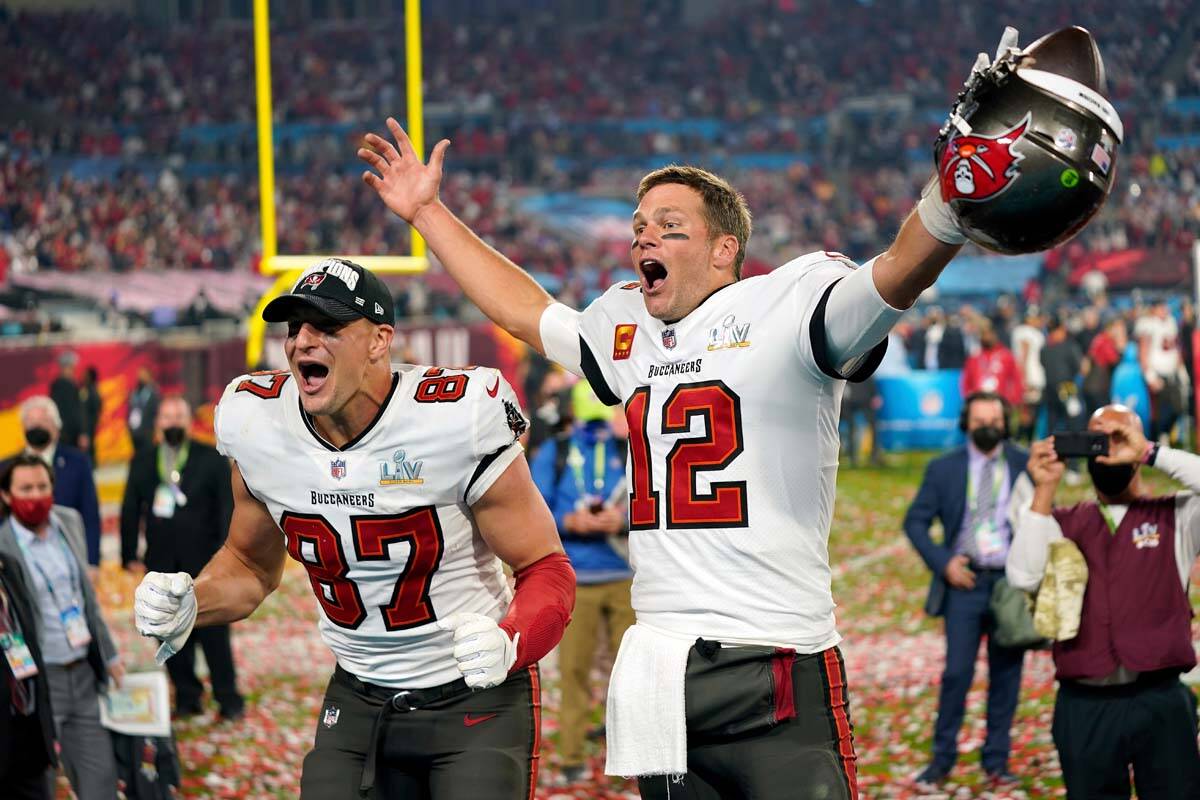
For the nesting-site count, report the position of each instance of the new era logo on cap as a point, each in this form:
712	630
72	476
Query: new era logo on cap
339	289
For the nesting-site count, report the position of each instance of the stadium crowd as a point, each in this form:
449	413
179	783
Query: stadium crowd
533	111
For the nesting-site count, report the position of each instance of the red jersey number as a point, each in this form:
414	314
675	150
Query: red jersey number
314	542
724	505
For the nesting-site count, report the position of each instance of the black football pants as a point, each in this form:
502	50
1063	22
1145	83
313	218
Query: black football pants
474	746
808	757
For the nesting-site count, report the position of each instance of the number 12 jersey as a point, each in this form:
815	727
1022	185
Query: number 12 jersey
733	451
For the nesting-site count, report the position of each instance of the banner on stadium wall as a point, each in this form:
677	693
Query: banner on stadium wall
204	367
920	410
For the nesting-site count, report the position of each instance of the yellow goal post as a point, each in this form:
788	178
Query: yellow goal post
288	268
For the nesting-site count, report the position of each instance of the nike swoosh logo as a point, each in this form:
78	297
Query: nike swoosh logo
471	722
495	387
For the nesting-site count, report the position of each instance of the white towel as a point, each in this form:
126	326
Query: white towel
646	722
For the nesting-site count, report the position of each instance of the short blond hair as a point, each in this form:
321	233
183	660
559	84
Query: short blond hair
725	209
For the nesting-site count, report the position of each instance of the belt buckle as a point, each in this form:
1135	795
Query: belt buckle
400	702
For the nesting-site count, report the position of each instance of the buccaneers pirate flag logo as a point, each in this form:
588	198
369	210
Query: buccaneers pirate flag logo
981	167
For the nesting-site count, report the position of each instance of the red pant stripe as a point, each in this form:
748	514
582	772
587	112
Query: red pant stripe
536	699
836	676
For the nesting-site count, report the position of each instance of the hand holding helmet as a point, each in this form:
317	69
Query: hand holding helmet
1027	155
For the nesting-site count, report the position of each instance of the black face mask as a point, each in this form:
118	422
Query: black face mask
37	437
174	436
1110	479
987	437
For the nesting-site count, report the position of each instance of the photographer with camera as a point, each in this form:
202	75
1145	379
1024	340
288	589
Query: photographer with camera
1120	701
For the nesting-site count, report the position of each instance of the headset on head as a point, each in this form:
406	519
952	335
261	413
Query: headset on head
984	396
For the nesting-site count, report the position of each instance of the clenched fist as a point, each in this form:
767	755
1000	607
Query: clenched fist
482	649
164	607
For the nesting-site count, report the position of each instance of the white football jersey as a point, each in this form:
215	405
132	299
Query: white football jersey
383	525
733	452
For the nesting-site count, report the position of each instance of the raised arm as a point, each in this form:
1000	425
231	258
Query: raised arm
502	290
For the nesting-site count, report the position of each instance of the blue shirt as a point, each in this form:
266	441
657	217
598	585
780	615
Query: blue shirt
594	472
59	585
975	462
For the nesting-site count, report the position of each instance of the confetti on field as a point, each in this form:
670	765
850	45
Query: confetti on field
894	657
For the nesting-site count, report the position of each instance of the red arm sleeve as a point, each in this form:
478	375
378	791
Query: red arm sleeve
541	607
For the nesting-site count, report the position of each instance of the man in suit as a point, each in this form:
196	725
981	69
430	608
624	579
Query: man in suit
143	410
179	493
64	391
970	490
939	344
26	720
74	486
78	651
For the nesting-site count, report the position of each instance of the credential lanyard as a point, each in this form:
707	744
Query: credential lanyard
75	584
598	463
997	483
173	475
1108	520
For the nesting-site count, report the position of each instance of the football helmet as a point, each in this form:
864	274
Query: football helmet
1029	152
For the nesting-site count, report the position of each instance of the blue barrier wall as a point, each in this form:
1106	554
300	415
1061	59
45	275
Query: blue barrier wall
920	410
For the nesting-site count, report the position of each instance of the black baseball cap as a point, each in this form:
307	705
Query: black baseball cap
339	289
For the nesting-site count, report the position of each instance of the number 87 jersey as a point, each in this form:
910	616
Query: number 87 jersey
383	525
733	451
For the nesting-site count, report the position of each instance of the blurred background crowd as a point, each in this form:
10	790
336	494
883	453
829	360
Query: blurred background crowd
129	142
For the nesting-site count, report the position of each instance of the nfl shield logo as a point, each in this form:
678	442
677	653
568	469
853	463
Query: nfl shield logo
337	468
331	716
668	335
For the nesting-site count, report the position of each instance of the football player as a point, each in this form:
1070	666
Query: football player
400	489
731	388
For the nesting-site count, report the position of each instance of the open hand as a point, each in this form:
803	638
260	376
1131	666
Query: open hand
405	185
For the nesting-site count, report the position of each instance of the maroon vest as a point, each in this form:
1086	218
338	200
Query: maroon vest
1135	611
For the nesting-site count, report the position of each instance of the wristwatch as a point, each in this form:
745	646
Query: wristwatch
1151	453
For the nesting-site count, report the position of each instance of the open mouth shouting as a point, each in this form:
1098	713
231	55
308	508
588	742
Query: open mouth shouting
654	274
313	375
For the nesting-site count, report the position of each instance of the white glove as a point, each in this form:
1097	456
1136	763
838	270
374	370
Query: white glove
164	607
482	649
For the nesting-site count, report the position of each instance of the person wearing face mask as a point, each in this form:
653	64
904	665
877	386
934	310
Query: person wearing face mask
970	490
74	485
1120	702
44	543
178	494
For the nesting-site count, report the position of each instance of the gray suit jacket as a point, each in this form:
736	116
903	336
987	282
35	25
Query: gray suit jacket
102	651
